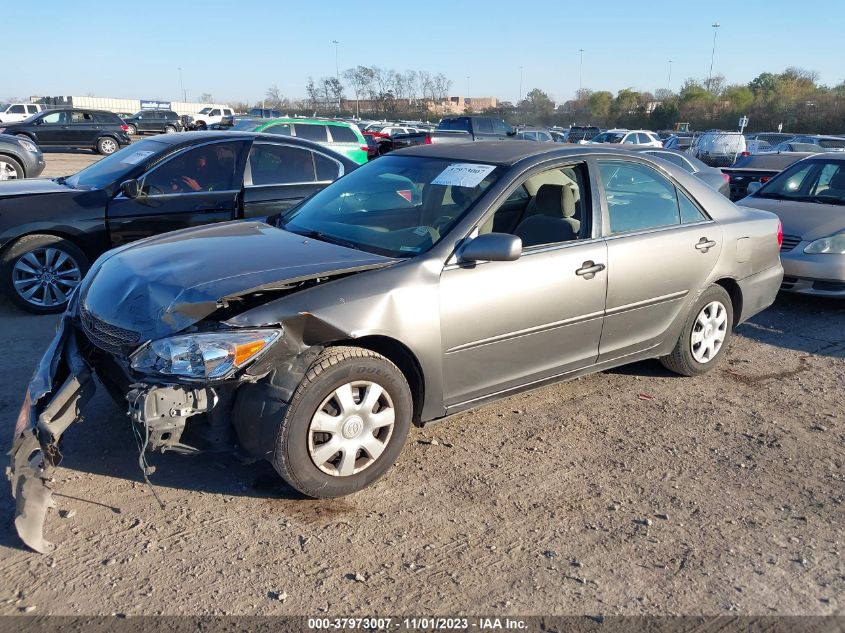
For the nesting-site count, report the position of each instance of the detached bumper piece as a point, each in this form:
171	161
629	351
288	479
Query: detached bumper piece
46	413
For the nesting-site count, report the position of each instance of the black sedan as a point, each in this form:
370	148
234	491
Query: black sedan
50	230
19	158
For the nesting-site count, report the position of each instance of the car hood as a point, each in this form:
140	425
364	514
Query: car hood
807	220
32	186
164	284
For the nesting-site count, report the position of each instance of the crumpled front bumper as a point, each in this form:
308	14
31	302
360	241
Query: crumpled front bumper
59	390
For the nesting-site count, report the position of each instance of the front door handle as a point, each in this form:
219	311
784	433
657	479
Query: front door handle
211	207
705	245
589	269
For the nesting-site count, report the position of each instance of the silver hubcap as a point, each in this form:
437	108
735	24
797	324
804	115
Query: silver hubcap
708	332
132	129
351	428
7	171
46	277
108	146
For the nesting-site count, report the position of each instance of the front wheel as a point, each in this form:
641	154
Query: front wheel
346	424
705	335
169	129
10	169
41	271
107	145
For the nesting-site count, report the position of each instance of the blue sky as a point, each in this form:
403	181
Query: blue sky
236	50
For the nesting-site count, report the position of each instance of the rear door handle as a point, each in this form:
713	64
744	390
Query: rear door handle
589	269
211	207
705	245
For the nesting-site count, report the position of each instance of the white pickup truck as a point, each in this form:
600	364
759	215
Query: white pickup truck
207	117
11	112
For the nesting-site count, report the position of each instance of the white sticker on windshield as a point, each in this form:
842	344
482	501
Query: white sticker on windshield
463	175
136	157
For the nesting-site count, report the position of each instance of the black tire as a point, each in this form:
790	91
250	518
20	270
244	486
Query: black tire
14	165
32	244
131	129
169	129
334	368
200	125
107	145
682	360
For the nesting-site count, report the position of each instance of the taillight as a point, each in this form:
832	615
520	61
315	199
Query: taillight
124	127
366	148
780	234
746	154
725	177
427	140
765	179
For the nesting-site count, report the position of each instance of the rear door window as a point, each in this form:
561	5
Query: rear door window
31	109
311	132
279	128
281	165
327	169
342	134
638	198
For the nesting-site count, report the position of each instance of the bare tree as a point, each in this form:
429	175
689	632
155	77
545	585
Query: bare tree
273	97
206	97
313	93
360	79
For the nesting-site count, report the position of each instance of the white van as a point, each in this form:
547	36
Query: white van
11	112
718	149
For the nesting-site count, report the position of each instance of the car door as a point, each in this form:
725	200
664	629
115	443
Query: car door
168	200
280	175
51	129
661	248
509	324
82	129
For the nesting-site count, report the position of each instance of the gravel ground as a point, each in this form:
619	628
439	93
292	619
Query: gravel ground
628	492
67	161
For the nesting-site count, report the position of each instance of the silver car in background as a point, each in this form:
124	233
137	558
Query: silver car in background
809	199
423	284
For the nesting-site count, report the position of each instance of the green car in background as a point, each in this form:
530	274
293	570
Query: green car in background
342	137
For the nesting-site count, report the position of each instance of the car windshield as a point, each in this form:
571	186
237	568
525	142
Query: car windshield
111	168
205	111
609	137
397	206
3	107
817	181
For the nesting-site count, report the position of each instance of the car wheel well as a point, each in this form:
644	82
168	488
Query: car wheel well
14	158
59	234
403	358
735	293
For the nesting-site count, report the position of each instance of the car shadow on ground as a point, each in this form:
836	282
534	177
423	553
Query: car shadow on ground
815	325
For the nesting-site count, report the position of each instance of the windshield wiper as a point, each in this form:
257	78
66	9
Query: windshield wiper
331	239
823	199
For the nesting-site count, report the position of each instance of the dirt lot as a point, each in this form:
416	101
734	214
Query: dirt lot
627	492
67	161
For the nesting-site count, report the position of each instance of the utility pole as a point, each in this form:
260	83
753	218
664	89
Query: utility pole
715	26
580	73
336	70
669	81
467	97
181	85
520	86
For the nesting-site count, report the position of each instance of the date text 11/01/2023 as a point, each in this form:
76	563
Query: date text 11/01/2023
417	623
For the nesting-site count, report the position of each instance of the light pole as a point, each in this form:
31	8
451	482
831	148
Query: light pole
669	81
336	71
467	97
181	85
715	26
580	73
520	86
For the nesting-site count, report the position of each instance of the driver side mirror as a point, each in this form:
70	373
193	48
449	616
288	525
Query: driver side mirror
491	247
131	189
753	187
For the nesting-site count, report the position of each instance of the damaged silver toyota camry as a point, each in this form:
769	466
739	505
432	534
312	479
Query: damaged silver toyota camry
426	283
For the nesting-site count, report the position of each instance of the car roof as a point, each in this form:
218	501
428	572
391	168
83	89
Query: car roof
186	138
290	119
499	152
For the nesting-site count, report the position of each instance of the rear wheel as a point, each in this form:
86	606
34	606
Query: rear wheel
705	335
10	169
169	129
41	271
106	145
132	130
200	125
346	424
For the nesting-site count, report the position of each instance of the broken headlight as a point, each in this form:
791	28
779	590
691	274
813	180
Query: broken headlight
209	356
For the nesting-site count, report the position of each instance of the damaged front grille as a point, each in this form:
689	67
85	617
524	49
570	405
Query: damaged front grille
107	337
